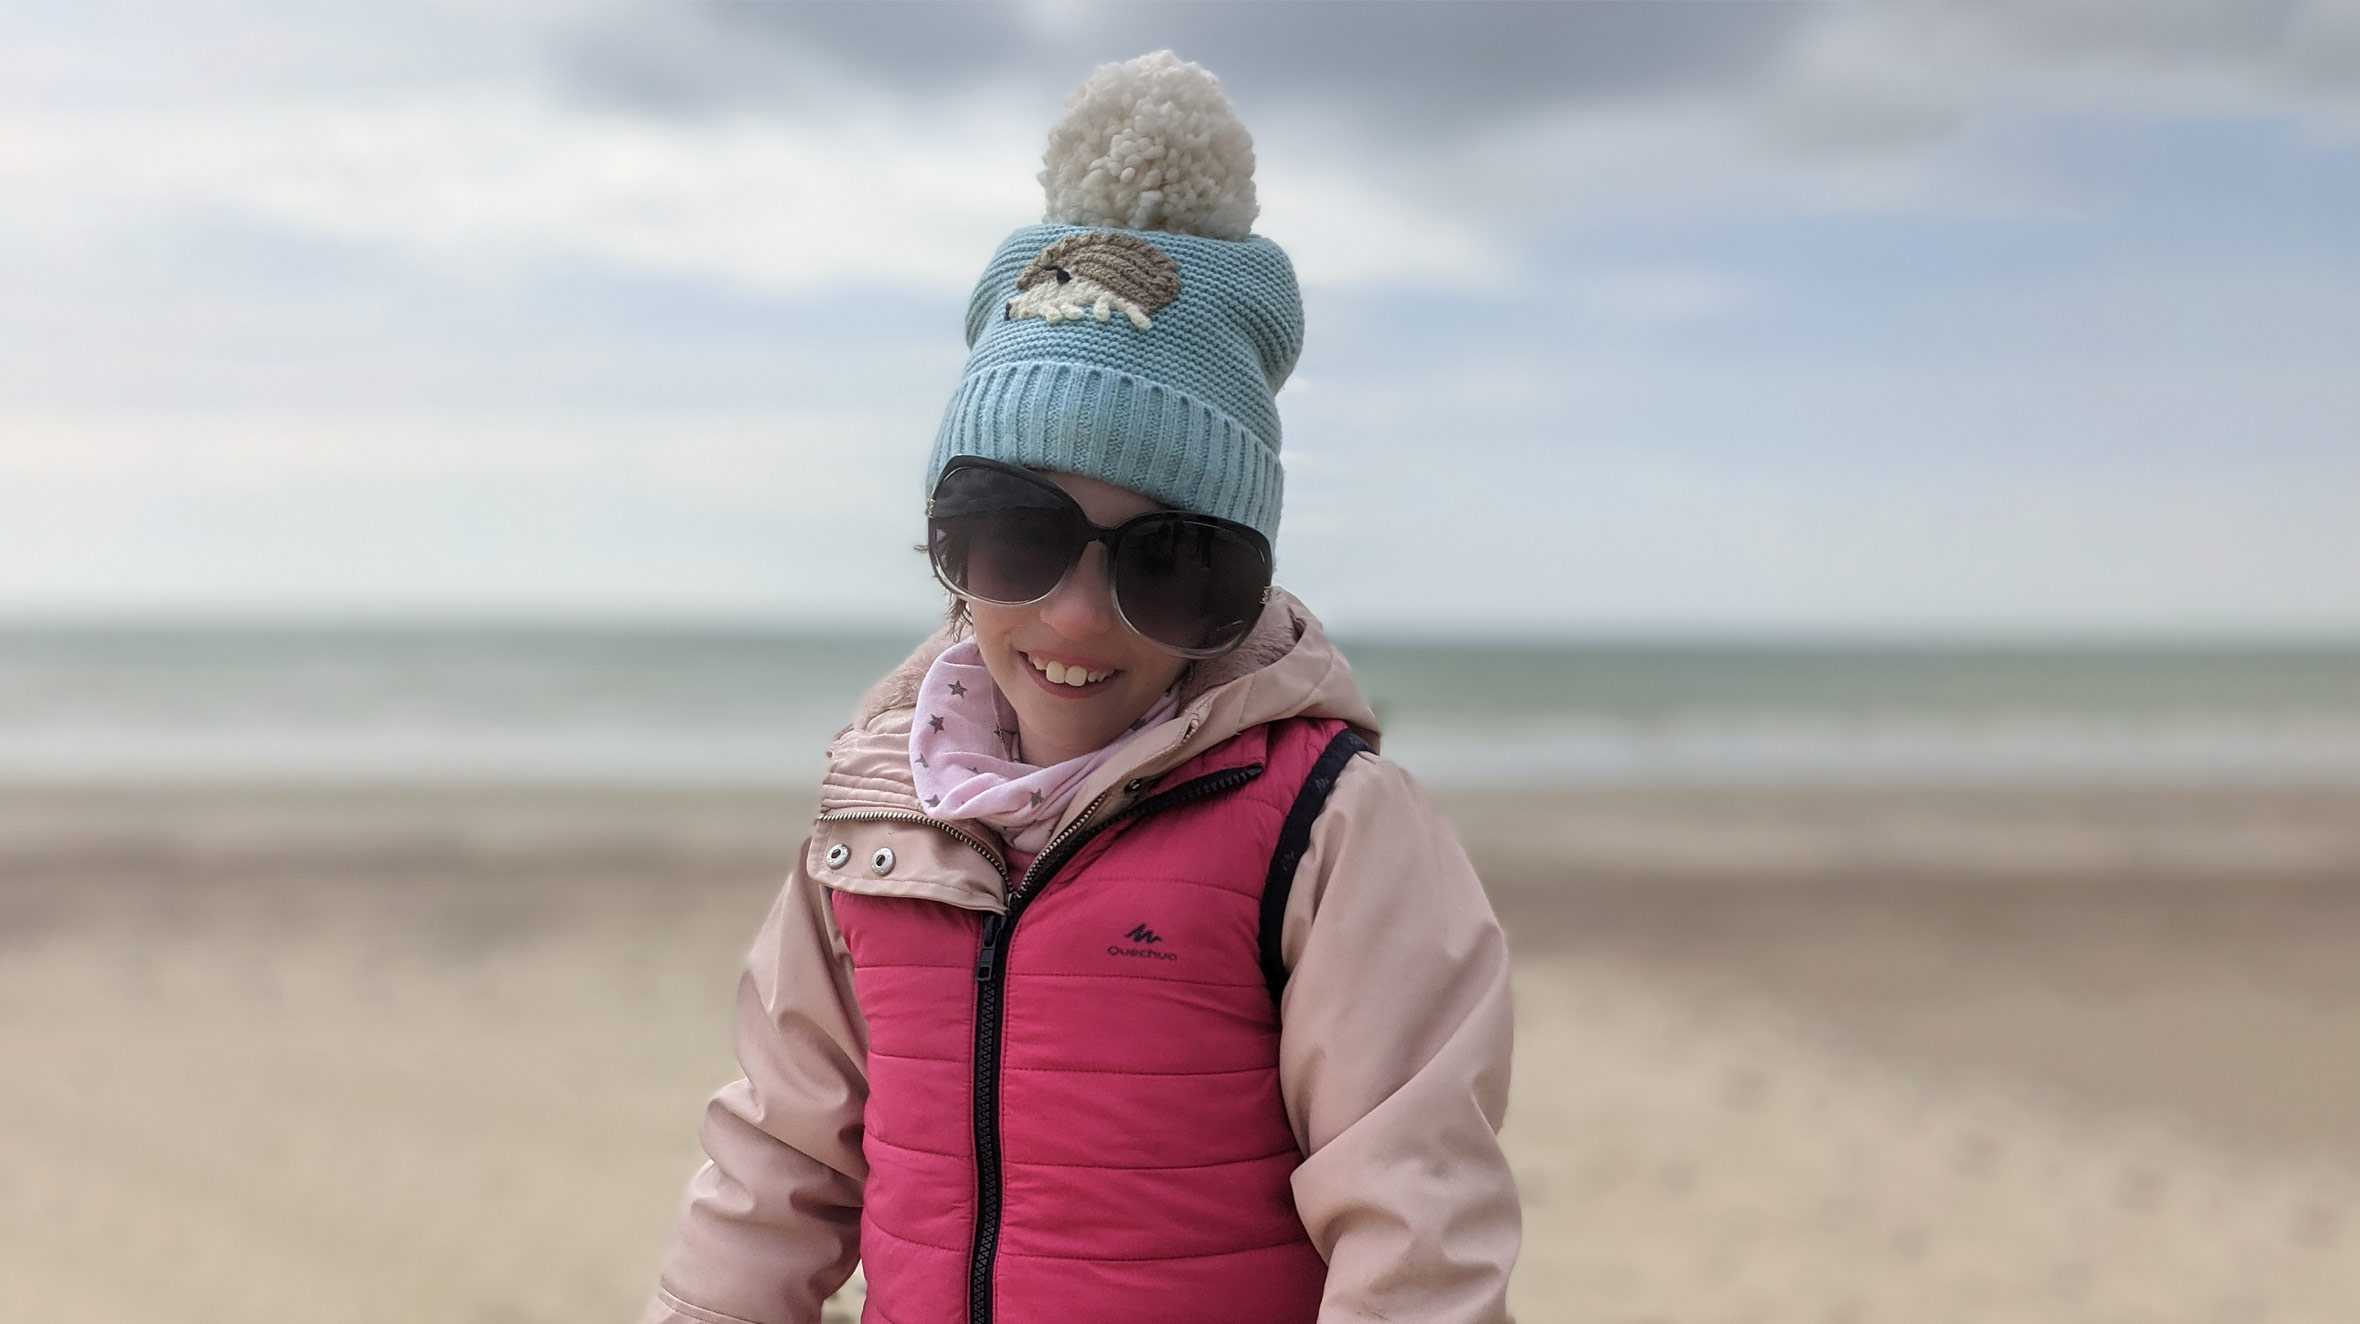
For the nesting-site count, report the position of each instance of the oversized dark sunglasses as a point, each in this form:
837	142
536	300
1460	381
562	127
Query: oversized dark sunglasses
1190	583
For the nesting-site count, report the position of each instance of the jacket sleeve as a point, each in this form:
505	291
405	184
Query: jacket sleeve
1395	1032
770	1225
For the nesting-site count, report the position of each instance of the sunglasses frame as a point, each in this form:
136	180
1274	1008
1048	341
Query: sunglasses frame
1111	537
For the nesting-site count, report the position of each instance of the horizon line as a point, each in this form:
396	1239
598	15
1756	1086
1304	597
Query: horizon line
1494	632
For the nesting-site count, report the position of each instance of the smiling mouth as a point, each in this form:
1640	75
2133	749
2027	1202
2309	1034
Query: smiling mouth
1059	678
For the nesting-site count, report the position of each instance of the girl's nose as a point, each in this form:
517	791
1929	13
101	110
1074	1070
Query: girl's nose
1084	604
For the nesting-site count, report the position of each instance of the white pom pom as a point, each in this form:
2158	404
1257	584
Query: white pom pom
1151	144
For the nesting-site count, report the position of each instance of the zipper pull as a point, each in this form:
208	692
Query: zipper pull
988	959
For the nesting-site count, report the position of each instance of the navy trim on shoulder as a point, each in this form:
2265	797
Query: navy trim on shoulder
1294	838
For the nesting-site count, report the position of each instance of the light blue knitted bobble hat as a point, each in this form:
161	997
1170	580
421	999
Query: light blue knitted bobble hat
1140	332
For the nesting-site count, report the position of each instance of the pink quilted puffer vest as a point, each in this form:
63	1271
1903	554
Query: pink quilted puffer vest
1074	1111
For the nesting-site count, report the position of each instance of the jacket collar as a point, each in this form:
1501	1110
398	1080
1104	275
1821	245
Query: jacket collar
1285	668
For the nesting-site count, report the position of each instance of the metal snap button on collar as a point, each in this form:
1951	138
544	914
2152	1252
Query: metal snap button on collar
881	863
838	854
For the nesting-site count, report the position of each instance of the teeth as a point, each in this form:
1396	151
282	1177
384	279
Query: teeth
1061	674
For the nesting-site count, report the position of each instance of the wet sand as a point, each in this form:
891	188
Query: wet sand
382	1054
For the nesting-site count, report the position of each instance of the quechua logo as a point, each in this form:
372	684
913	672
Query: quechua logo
1146	939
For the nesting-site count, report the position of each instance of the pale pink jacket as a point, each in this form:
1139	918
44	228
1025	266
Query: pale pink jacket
1394	1041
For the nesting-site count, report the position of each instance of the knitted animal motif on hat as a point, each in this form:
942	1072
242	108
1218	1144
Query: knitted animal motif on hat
1097	273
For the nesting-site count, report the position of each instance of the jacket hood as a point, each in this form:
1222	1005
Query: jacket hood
1285	668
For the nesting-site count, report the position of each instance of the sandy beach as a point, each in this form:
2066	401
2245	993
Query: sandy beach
386	1054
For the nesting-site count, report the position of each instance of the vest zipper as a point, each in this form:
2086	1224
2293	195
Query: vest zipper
991	976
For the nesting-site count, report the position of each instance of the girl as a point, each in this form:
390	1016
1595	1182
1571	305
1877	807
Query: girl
1121	978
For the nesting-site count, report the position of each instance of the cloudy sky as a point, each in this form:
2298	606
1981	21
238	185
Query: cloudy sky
1758	317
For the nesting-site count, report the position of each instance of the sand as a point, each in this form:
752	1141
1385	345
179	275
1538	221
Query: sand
381	1054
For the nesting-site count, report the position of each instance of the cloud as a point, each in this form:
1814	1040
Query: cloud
1359	61
497	176
1665	295
1890	77
859	146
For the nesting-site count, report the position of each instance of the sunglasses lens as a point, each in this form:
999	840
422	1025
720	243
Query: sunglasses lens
1184	581
998	537
1189	583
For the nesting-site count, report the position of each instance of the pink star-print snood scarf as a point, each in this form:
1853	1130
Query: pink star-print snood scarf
962	752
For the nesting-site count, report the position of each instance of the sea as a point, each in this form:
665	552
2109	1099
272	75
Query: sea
711	706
